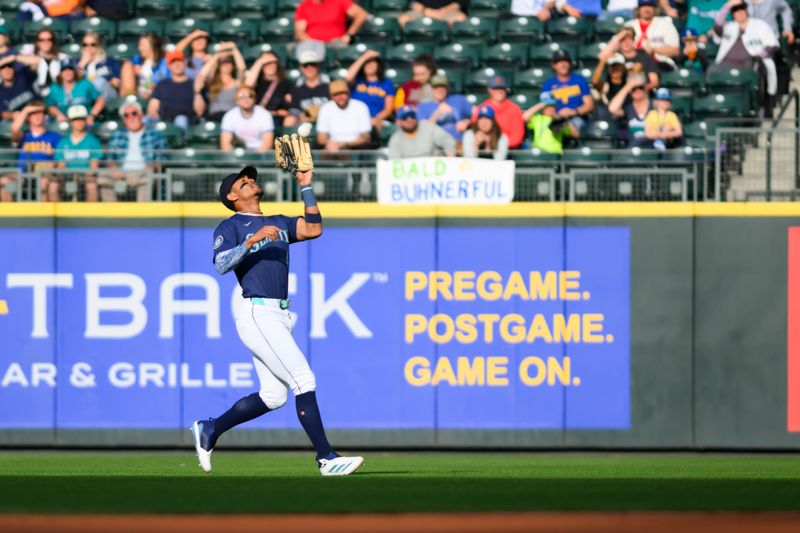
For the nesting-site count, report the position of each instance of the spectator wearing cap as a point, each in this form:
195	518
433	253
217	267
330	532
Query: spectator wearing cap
746	43
449	11
701	15
630	106
343	122
655	35
419	139
219	78
80	149
549	130
636	60
418	88
325	21
367	78
768	11
16	86
609	77
692	56
571	90
661	125
507	114
173	98
452	112
71	89
247	124
135	152
37	147
484	138
310	91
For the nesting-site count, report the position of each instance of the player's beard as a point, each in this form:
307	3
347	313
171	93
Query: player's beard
259	192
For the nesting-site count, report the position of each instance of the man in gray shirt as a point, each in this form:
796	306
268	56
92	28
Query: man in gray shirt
419	139
768	10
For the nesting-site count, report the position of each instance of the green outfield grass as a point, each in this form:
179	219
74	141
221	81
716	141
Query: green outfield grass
148	482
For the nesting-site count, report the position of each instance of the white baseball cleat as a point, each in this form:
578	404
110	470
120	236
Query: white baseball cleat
340	466
203	455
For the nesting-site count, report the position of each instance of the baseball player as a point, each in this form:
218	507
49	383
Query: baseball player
256	247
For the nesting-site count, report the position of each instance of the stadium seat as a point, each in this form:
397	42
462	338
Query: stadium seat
277	30
130	30
588	53
58	27
425	30
474	30
599	134
339	73
176	30
520	29
687	154
457	55
5	131
682	106
635	156
717	105
503	55
388	8
683	81
398	75
455	77
734	83
174	135
524	98
606	29
204	133
541	55
378	29
104	130
73	50
406	52
163	9
235	29
570	29
206	9
106	28
483	8
253	52
532	78
192	157
479	79
699	129
122	51
286	8
253	9
585	157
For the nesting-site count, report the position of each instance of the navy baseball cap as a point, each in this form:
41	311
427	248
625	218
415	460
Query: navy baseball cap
498	82
407	111
486	112
560	55
647	3
689	33
229	180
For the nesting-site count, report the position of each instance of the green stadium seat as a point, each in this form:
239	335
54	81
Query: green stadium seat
62	128
106	28
717	105
176	30
699	129
104	130
253	52
31	27
479	79
682	81
339	73
174	135
606	29
533	77
570	29
599	134
541	55
682	106
286	8
635	156
130	30
504	54
457	54
455	78
5	131
191	157
406	52
741	83
481	8
235	29
379	29
206	9
112	106
277	30
475	97
204	133
10	25
474	30
710	49
347	55
122	51
425	30
586	157
388	8
588	53
398	75
687	154
164	9
386	132
253	9
73	50
524	98
520	29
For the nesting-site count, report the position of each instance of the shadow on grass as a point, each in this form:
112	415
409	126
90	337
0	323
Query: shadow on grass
363	493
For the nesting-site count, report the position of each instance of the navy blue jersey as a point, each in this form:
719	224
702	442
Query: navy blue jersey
264	270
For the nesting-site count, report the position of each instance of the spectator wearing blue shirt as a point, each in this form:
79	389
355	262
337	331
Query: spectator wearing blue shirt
579	8
72	90
37	147
16	86
369	85
451	112
571	91
96	66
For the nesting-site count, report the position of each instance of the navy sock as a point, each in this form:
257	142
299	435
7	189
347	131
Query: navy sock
310	419
245	409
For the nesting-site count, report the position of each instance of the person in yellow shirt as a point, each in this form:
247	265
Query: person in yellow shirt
661	125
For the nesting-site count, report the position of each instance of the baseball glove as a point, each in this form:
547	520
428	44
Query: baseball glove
293	154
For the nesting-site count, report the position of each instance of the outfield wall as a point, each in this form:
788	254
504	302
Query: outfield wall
530	325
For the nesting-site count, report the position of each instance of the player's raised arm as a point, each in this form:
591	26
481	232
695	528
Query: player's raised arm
310	226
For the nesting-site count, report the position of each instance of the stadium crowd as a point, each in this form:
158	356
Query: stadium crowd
57	107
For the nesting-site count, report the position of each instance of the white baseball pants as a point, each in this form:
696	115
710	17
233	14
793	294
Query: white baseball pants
266	330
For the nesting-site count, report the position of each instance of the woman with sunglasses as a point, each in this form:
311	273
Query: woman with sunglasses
268	76
141	74
45	58
96	66
220	77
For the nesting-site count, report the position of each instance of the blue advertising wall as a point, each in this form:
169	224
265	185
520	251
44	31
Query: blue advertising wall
407	328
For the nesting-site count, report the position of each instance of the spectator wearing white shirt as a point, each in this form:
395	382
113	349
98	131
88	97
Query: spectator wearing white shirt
343	123
247	124
626	9
657	36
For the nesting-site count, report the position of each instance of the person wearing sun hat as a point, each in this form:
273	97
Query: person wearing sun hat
548	128
419	138
343	122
